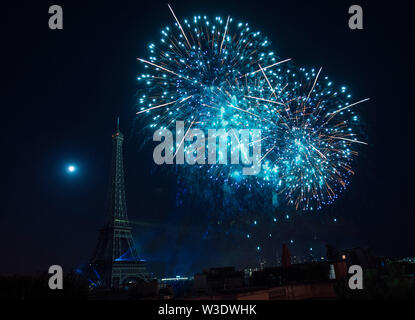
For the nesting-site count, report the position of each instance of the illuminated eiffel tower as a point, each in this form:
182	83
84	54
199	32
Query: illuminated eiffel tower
116	259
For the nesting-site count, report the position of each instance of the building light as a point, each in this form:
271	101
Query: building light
175	279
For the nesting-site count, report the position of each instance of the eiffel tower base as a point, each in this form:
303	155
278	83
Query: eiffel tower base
121	274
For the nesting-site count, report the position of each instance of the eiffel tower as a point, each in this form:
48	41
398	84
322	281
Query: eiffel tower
116	259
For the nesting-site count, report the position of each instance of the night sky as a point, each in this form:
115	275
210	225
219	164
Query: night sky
63	89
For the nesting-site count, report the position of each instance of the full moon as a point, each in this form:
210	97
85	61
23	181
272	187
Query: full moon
71	169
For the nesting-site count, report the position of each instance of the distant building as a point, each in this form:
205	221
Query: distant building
408	259
286	256
360	256
176	286
299	291
216	280
295	282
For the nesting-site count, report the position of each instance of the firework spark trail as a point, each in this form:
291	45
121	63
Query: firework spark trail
266	78
163	105
155	65
348	106
265	68
353	141
180	26
184	137
224	35
314	84
266	100
267	153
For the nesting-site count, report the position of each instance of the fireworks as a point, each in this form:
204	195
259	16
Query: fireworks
199	71
223	75
311	140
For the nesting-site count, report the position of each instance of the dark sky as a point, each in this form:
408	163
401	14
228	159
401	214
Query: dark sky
63	89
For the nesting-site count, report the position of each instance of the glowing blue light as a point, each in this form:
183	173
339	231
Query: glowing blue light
71	169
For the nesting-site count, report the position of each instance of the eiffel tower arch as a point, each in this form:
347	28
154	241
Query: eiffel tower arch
116	260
